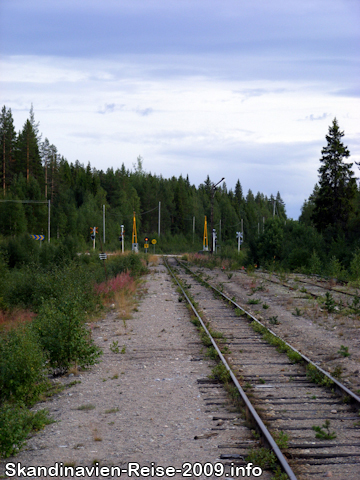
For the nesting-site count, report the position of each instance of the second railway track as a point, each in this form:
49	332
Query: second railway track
286	400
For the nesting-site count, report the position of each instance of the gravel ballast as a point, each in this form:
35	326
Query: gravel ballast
142	402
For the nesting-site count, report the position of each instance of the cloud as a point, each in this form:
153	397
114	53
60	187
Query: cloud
144	112
313	118
108	108
348	92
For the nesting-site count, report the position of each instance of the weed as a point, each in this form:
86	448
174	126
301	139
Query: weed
86	407
279	475
116	376
238	312
336	373
123	350
265	306
344	351
225	350
297	312
260	288
205	338
293	356
281	439
212	353
195	321
274	320
261	380
74	382
112	410
114	347
263	457
229	275
318	377
322	434
216	334
221	373
254	301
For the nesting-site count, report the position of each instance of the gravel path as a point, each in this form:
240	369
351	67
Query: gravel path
143	404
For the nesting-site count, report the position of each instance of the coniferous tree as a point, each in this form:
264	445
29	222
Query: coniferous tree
28	153
7	146
337	185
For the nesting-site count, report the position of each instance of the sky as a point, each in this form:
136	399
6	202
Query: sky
232	88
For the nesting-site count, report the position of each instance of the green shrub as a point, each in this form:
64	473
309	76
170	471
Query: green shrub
315	264
16	422
64	336
355	266
335	269
21	365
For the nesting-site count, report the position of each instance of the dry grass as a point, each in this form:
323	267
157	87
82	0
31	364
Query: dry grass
153	260
15	318
96	435
125	302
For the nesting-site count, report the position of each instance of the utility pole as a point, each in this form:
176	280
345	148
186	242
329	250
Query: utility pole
159	219
104	224
49	221
193	230
213	188
122	238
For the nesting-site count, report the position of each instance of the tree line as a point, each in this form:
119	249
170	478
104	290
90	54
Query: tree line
32	169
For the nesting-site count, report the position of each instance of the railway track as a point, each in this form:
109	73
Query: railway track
284	401
315	289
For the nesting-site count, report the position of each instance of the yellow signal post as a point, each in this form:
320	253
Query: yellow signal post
135	246
205	240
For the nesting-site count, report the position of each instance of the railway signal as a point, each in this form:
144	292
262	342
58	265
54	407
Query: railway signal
214	237
205	239
135	245
93	232
240	237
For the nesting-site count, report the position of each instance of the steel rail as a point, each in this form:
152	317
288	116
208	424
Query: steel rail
342	389
330	289
265	434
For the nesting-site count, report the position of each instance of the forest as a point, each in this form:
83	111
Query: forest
32	172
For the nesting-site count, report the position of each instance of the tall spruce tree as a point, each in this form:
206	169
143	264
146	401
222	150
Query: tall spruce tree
7	146
28	161
337	185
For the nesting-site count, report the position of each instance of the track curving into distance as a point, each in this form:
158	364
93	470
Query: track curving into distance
282	396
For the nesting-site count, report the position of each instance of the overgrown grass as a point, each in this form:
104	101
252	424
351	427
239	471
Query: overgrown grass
42	329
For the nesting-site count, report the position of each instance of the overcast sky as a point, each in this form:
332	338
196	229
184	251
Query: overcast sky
227	88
